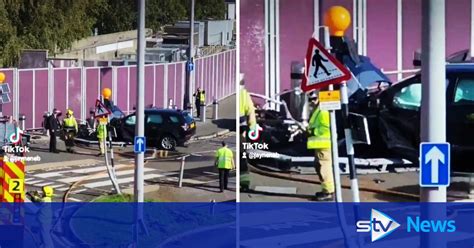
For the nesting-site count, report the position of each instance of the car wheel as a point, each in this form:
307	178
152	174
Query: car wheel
168	142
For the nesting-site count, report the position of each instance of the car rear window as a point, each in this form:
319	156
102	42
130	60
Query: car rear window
155	119
174	119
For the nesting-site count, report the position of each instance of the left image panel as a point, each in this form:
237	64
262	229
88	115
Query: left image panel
69	102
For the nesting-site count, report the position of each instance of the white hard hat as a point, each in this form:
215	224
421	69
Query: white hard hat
241	77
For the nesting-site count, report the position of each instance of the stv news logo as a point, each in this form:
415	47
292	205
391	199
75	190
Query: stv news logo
254	134
379	225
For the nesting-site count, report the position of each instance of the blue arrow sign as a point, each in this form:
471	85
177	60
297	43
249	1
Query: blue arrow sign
190	66
139	144
434	164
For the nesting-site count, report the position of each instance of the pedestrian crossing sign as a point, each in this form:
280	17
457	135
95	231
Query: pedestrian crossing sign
100	109
321	68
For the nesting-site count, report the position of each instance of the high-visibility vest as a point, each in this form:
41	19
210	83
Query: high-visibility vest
70	122
102	131
224	158
246	109
202	97
319	126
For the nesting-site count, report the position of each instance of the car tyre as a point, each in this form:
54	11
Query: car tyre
168	142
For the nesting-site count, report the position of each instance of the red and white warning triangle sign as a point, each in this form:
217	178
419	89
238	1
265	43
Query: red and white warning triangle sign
100	109
321	68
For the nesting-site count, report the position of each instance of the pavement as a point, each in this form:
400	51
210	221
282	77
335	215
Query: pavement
384	187
226	122
83	176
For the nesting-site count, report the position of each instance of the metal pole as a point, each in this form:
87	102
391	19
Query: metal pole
140	111
189	73
181	172
349	143
335	155
433	106
433	67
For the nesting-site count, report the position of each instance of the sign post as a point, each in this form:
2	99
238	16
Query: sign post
323	70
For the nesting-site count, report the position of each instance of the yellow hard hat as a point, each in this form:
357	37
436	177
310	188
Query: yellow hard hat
103	119
69	112
48	191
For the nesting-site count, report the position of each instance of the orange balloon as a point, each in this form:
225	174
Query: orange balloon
106	93
338	19
2	77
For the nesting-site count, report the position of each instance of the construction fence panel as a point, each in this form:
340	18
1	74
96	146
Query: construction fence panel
36	91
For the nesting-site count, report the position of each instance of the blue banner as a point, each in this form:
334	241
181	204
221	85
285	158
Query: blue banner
237	225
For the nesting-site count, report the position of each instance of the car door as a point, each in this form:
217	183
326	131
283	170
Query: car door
153	126
460	112
128	128
399	121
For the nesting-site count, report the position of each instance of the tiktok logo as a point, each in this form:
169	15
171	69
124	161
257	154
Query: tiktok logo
254	134
15	137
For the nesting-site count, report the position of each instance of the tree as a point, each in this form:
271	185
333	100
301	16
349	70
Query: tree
55	24
43	24
209	9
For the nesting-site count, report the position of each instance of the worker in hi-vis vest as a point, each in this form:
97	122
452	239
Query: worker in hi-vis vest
248	121
102	135
44	215
319	140
70	129
225	163
200	100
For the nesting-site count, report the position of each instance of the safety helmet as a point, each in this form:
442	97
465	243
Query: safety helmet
242	82
103	119
69	112
48	191
313	95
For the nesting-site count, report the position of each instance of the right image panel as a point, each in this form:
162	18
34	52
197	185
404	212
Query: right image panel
330	101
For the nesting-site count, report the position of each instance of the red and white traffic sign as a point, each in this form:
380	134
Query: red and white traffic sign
100	109
321	68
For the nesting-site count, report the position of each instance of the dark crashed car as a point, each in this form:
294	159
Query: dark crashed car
164	128
393	117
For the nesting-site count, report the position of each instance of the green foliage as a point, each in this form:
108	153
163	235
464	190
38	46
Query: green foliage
56	24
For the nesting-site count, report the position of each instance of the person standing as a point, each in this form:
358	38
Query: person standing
70	130
91	120
45	214
224	162
102	134
248	121
320	141
53	127
200	100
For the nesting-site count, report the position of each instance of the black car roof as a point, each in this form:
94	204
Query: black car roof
163	111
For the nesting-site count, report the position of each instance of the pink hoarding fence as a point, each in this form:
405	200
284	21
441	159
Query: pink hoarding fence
36	91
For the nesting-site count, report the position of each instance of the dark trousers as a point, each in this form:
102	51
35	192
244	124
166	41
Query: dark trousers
69	139
223	178
198	109
52	141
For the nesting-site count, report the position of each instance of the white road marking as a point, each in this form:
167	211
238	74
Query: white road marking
105	175
121	181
